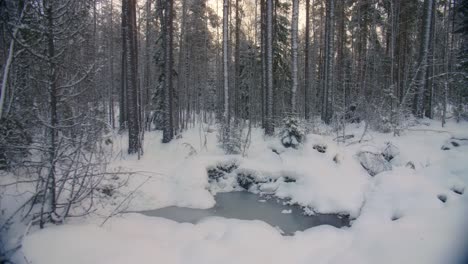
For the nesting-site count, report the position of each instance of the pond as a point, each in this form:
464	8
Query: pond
249	206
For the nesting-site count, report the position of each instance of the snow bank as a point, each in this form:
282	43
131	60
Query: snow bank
402	216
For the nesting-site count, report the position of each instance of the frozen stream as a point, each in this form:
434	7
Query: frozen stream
249	206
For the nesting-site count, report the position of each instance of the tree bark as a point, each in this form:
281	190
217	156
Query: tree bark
328	65
263	59
225	61
131	74
294	26
111	67
123	76
53	132
307	62
237	79
168	132
421	76
269	127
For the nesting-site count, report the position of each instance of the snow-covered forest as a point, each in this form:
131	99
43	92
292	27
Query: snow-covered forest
347	118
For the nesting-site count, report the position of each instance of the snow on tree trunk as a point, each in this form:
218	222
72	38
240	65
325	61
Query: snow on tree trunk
6	70
8	63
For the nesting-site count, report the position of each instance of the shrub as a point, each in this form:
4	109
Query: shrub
293	133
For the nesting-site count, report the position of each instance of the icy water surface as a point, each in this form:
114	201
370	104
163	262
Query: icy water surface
249	206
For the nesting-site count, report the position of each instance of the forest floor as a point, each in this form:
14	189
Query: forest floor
417	212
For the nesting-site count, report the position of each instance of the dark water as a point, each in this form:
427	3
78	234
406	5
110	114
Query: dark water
248	206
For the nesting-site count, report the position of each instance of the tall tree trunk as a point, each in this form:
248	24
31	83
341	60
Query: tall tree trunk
307	62
269	127
294	26
168	132
447	52
225	62
131	63
263	59
362	40
429	89
123	76
6	71
111	67
340	56
237	79
180	65
147	72
9	61
53	130
328	65
391	47
421	76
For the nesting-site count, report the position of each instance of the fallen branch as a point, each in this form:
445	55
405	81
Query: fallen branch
428	130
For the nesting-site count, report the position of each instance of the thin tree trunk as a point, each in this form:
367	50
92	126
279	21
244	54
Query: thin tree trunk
429	89
111	68
294	26
8	63
263	59
225	61
6	71
53	133
181	69
328	67
147	72
123	76
237	86
447	51
307	63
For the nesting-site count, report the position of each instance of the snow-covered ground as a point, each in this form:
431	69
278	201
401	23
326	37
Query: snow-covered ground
405	215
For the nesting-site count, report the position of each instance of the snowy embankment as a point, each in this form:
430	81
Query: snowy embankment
404	215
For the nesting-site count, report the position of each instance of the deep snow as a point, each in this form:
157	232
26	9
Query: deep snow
400	216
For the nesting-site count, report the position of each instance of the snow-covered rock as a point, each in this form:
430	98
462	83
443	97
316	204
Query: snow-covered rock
322	148
410	165
221	169
390	151
374	163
